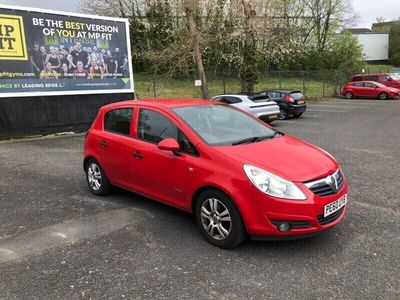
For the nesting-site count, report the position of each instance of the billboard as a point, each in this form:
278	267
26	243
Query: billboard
45	52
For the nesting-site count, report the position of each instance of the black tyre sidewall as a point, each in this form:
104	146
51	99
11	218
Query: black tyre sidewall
105	187
281	110
237	233
386	96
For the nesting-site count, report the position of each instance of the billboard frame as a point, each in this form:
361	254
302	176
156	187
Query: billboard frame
85	92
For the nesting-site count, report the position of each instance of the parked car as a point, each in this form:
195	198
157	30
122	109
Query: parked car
258	105
369	89
237	175
388	79
290	102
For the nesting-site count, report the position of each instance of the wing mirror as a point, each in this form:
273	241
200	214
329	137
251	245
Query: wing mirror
169	144
390	79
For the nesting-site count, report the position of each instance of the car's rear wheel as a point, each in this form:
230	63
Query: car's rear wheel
297	115
96	178
383	96
349	95
218	219
282	114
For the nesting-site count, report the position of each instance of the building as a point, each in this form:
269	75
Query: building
375	44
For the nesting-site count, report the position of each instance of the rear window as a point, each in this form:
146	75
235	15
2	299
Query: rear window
297	95
118	120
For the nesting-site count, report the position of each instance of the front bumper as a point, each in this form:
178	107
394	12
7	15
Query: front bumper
268	117
262	213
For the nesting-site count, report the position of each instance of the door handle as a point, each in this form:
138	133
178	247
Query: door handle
137	155
103	144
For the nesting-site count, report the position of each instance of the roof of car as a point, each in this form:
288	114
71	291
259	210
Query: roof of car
163	102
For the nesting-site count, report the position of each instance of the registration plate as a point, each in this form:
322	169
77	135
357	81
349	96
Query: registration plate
335	206
300	102
273	117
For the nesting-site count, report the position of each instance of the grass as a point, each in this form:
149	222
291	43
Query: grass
314	84
147	86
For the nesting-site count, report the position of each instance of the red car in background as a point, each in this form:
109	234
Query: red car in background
388	79
369	89
237	175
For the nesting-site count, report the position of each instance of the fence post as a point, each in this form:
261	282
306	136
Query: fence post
280	80
304	83
154	85
223	81
323	83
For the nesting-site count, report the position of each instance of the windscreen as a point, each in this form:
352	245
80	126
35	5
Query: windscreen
220	125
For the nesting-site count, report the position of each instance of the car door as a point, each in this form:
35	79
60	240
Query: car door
157	173
385	79
357	89
370	90
114	146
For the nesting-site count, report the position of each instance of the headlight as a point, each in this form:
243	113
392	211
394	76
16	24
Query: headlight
272	184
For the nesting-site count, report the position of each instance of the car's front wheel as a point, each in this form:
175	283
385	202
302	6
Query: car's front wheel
383	96
218	219
96	178
349	95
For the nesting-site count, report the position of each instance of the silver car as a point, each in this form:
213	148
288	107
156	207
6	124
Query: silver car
259	106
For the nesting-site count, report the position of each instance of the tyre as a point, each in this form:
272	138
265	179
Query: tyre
96	178
383	96
297	115
349	95
218	219
282	114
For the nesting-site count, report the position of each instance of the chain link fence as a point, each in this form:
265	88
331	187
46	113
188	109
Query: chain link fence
313	84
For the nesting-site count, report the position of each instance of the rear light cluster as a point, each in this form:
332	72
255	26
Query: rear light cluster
288	99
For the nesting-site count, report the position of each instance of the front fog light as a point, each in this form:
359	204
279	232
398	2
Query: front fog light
284	227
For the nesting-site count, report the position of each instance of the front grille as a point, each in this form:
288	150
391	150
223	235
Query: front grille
330	218
293	224
327	186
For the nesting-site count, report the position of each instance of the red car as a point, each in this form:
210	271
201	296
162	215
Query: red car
237	175
369	89
388	79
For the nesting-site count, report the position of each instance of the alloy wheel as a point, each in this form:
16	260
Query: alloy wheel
282	114
216	219
94	176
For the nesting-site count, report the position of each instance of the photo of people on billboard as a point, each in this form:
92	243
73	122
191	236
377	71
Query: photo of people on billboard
44	53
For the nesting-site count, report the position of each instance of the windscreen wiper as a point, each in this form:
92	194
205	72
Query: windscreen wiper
256	139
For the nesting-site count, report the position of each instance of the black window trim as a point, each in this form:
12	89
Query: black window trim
116	132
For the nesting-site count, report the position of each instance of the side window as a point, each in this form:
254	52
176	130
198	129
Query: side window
118	120
357	78
371	78
369	85
154	127
358	84
384	78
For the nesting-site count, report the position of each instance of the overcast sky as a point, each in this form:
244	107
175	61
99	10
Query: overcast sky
368	10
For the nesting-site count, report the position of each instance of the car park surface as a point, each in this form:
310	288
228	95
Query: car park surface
57	240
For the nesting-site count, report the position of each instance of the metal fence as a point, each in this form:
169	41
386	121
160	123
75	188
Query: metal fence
313	84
